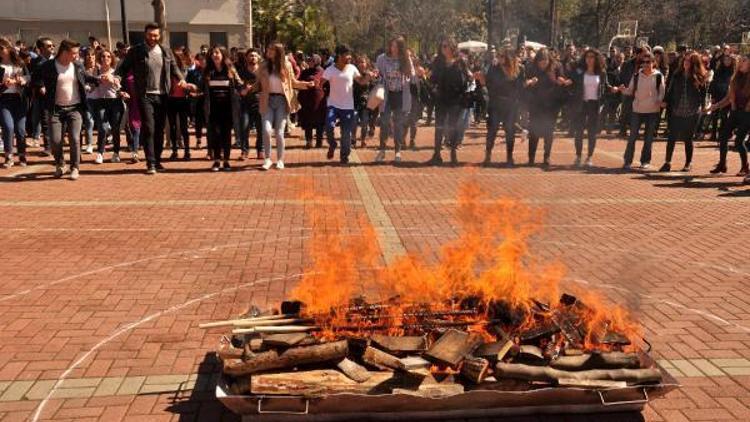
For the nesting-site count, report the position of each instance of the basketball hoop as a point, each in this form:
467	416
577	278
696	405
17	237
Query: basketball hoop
627	29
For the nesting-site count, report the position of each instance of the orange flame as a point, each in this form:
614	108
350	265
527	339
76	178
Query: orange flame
490	261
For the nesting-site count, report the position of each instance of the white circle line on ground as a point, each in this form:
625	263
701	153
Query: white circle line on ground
140	261
132	325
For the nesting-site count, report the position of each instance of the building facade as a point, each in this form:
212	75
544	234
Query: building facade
190	23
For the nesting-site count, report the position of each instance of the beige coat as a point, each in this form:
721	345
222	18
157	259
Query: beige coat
289	85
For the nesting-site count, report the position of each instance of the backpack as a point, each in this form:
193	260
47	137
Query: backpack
659	82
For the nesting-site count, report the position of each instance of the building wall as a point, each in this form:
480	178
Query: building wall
77	19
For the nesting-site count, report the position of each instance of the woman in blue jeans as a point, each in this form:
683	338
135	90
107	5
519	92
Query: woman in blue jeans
13	77
107	106
396	72
277	83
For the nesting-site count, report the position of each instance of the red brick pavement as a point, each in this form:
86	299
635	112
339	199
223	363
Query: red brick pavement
84	259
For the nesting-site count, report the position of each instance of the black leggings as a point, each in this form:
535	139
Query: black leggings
504	112
177	113
738	121
588	119
220	134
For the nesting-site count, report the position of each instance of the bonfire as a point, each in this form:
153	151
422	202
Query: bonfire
485	315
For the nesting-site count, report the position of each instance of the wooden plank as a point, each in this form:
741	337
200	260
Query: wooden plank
354	371
397	344
494	351
381	360
324	382
284	340
551	375
289	358
452	348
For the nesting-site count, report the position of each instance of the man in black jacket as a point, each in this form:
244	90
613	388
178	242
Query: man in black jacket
62	81
39	116
153	67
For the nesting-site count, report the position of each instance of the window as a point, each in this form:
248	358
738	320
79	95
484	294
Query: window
219	38
178	39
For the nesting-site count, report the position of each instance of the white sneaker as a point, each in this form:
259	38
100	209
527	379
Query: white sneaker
9	162
74	174
380	157
115	158
89	149
99	158
589	162
280	165
645	166
398	157
267	163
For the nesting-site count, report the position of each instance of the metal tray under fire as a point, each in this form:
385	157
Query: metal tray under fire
475	403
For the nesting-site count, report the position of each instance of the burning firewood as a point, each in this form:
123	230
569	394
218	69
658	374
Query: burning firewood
452	348
475	369
400	344
289	358
553	376
382	360
354	371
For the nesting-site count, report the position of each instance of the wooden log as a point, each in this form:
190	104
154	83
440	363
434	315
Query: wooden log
289	358
273	322
452	348
400	344
284	340
494	351
553	376
354	371
231	322
227	351
413	363
539	332
320	383
566	321
276	330
612	360
432	391
382	360
596	384
475	369
531	354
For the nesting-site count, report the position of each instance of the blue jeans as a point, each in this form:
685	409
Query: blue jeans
274	123
107	114
361	121
651	120
88	123
249	117
13	122
398	122
346	119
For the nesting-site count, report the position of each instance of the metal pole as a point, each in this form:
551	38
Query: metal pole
109	25
124	19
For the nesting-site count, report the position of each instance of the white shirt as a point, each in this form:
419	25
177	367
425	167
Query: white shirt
342	86
590	87
11	71
66	93
274	84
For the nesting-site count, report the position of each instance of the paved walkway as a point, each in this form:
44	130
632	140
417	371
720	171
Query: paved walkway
106	279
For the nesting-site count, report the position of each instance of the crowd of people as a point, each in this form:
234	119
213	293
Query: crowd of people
49	93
